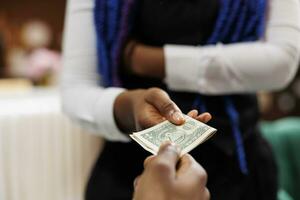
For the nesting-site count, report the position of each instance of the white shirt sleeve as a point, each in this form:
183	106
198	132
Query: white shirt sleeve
242	67
82	98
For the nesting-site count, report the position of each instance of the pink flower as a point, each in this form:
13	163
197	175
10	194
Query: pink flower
42	62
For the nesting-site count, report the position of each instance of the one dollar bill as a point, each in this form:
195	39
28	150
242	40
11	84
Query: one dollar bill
186	137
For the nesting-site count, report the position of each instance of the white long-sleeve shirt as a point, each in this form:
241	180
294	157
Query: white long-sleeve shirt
234	68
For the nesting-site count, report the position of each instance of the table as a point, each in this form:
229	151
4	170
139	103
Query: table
43	155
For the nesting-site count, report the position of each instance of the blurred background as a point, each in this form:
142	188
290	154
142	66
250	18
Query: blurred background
30	40
42	154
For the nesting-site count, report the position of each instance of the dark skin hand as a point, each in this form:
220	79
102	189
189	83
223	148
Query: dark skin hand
136	110
167	176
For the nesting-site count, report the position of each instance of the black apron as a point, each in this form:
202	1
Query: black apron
160	22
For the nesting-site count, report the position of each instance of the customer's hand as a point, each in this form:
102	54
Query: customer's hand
139	109
168	177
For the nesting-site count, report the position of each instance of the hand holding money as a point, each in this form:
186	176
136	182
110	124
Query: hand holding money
136	110
168	176
186	136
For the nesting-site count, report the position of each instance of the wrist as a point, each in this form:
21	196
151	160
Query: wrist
124	110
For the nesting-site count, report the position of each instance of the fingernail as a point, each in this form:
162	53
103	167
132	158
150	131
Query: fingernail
167	143
206	118
177	148
177	116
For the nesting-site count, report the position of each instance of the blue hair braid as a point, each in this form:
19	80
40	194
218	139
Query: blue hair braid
103	61
262	7
234	120
111	21
247	18
221	19
121	37
252	22
232	18
113	16
237	34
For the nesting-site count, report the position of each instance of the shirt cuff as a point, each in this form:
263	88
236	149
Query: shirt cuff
186	67
104	116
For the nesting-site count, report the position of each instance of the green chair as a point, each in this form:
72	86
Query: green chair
284	136
283	195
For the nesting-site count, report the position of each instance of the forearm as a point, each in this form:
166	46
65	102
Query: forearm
148	61
92	108
241	67
83	99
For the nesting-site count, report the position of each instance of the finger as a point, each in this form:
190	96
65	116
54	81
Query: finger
193	113
169	152
165	161
148	117
162	102
206	194
188	168
204	117
184	164
136	181
148	160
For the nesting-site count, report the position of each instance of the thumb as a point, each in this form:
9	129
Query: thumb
167	108
166	160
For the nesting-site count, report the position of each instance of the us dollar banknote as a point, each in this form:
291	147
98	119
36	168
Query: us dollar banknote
186	136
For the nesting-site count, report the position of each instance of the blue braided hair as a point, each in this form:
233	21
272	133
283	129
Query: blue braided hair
237	21
112	21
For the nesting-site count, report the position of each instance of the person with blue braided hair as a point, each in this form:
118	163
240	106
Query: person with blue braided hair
208	55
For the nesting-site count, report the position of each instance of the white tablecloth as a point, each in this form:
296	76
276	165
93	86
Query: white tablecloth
43	156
